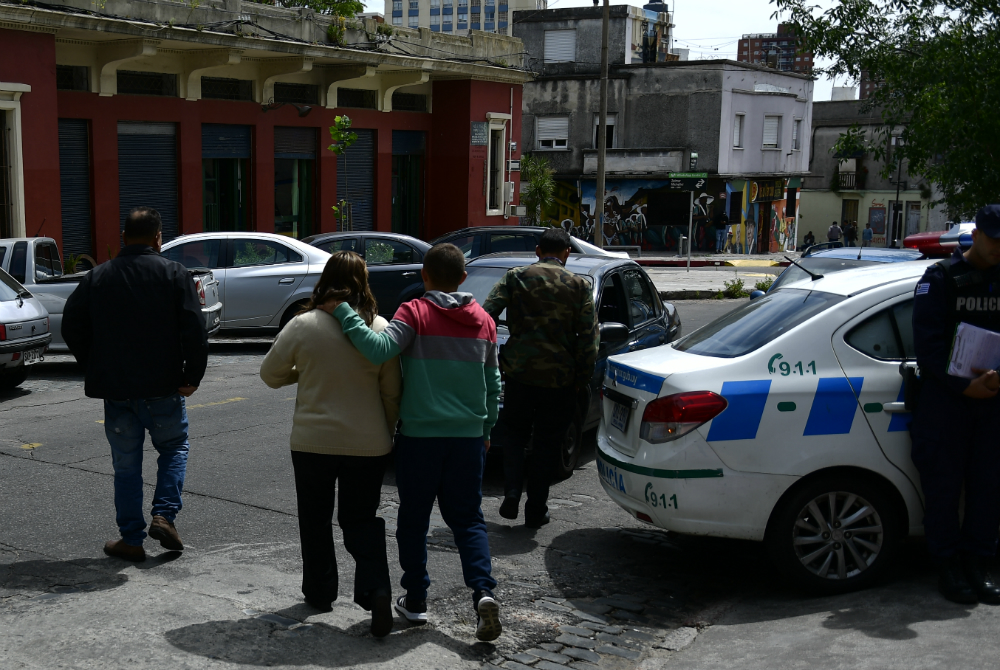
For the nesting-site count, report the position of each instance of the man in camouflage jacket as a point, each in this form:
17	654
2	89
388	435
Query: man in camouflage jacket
547	362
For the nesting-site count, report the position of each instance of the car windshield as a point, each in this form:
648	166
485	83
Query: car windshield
756	323
9	289
481	281
820	266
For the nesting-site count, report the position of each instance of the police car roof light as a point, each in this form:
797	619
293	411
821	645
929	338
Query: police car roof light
691	407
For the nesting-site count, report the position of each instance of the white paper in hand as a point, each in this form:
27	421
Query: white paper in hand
974	347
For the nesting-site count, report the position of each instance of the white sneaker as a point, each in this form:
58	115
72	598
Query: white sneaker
417	612
488	611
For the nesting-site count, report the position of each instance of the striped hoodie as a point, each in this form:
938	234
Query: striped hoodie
448	347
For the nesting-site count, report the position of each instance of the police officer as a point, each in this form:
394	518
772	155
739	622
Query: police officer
955	437
547	361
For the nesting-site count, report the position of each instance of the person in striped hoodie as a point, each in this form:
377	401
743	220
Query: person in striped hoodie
447	345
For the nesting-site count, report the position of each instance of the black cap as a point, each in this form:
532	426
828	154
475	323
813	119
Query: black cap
988	221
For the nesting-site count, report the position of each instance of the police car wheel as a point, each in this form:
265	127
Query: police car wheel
835	534
569	454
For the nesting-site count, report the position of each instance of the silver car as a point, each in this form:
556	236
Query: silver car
263	278
24	332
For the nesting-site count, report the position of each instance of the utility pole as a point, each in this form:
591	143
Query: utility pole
602	128
898	207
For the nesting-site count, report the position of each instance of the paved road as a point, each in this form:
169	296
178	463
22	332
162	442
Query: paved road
593	587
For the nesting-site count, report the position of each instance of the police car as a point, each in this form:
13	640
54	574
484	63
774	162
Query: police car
783	421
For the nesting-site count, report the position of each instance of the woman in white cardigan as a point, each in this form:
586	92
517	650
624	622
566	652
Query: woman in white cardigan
345	417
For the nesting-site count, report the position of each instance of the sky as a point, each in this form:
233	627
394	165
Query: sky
709	28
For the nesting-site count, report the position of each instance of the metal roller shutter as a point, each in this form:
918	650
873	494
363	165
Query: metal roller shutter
553	128
74	186
294	142
770	132
560	46
147	171
356	179
224	141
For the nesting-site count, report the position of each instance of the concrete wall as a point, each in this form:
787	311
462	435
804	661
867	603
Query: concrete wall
530	26
818	209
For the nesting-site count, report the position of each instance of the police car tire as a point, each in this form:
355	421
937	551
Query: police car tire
782	528
569	450
13	377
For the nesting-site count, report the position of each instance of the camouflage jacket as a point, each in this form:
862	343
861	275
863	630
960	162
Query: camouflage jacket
553	332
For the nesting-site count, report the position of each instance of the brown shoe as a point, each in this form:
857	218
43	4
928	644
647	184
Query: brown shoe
164	531
119	549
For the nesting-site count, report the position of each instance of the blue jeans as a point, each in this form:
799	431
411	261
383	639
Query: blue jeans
449	469
720	240
125	424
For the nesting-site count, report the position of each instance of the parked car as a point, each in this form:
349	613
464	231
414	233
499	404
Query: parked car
479	241
838	259
783	422
939	243
24	332
36	264
264	279
393	260
630	315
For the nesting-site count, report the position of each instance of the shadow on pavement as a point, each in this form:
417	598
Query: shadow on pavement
75	575
280	640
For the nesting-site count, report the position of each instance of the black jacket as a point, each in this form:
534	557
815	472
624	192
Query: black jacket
136	327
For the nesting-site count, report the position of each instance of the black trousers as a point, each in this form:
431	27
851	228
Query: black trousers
543	414
360	479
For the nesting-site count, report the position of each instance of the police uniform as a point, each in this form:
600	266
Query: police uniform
956	442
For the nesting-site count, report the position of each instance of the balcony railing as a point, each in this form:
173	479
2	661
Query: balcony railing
848	180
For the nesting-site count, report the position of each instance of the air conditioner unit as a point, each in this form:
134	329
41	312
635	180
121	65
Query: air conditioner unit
517	210
514	166
508	191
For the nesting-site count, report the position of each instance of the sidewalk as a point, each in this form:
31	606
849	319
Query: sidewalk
702	259
675	283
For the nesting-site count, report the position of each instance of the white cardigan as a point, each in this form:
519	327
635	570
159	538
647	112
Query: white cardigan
344	404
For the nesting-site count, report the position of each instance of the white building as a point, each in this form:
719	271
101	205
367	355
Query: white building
457	16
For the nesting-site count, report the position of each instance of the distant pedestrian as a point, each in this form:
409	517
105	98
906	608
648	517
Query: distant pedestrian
346	410
721	233
808	240
547	362
451	390
834	233
850	234
866	235
135	326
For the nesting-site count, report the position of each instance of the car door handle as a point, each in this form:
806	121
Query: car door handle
409	274
894	408
286	280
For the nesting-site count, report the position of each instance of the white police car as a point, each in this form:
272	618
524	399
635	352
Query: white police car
782	421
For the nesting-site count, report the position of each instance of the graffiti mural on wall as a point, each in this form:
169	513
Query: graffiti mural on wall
652	214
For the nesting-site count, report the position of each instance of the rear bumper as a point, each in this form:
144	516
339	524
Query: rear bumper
25	343
213	318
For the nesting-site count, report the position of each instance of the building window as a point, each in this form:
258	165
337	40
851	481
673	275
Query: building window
397	5
796	134
435	20
495	161
412	21
302	94
414	4
738	131
552	132
463	3
397	20
611	137
409	102
560	46
772	127
435	4
294	181
359	98
463	18
72	78
503	17
219	88
146	83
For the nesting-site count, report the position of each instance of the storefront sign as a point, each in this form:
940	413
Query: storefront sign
480	133
766	191
687	184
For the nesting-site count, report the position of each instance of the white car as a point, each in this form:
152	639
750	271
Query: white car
263	278
24	332
782	421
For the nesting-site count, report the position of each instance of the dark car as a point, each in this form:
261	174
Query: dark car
842	258
393	260
630	315
476	242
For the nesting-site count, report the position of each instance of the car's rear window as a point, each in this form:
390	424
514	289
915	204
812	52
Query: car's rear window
756	323
819	266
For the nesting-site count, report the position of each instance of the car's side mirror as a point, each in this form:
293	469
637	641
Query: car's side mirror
613	333
756	294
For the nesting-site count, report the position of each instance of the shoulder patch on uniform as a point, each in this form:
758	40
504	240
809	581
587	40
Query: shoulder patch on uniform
922	289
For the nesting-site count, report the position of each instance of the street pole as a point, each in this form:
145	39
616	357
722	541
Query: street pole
690	229
602	128
895	234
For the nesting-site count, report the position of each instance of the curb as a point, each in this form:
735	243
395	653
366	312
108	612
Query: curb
693	295
664	263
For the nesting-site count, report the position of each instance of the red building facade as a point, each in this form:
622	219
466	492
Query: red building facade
420	172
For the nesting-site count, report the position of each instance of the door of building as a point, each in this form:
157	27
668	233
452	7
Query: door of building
912	218
74	187
147	171
225	167
294	181
6	177
356	179
407	181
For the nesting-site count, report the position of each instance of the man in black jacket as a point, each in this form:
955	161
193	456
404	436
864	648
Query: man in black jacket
135	325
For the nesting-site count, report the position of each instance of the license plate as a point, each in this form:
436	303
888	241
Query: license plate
32	356
619	416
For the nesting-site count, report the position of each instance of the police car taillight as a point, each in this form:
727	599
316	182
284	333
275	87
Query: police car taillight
3	332
668	418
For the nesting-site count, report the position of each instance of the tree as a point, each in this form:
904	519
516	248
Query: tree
937	65
341	139
537	174
346	8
